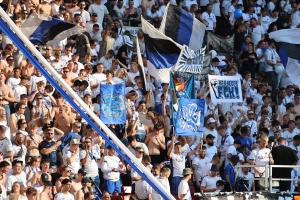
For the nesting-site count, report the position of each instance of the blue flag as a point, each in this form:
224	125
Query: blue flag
112	103
180	89
190	117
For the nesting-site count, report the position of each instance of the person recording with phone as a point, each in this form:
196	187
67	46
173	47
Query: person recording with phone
90	158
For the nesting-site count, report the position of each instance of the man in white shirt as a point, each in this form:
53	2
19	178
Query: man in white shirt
142	189
210	146
201	165
184	192
209	18
209	183
111	166
290	132
178	163
17	175
252	123
257	31
65	194
261	156
100	10
71	156
89	158
272	58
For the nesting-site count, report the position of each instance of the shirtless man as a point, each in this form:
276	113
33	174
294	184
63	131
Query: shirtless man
64	118
297	102
7	94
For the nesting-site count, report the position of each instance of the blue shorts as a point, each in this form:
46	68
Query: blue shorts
112	186
175	181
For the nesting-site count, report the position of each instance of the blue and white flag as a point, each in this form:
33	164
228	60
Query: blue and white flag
112	103
161	51
47	30
288	41
225	89
182	27
190	117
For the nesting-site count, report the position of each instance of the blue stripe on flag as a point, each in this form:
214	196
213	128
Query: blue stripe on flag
283	56
47	30
185	28
161	61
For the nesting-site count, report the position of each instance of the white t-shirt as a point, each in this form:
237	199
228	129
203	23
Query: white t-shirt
210	19
271	55
101	10
257	34
202	167
184	189
75	164
110	163
91	167
15	178
295	19
13	82
289	135
261	157
18	91
211	151
210	182
249	177
166	185
178	162
64	196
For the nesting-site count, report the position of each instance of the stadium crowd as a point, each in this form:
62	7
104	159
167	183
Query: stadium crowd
48	151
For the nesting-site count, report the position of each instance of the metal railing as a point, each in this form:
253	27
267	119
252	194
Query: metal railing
268	179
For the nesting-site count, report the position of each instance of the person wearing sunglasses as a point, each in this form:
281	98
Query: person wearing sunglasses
49	146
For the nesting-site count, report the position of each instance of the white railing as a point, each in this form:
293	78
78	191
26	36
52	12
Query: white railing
268	179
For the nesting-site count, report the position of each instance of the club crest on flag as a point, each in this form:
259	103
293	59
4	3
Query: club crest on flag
190	116
190	61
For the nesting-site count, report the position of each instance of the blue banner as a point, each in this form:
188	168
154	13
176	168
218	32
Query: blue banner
112	103
180	89
190	117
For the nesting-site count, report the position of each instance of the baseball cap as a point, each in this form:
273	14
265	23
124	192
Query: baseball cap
94	15
187	171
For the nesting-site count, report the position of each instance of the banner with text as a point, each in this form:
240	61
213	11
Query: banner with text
225	89
190	117
112	103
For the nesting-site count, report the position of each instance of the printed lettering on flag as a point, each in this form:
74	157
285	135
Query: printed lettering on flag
190	117
112	103
225	89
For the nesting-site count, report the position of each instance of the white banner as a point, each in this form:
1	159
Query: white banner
225	89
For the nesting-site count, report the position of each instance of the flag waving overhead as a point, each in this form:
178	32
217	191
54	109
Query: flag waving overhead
190	117
112	103
43	30
288	41
161	51
180	89
182	27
